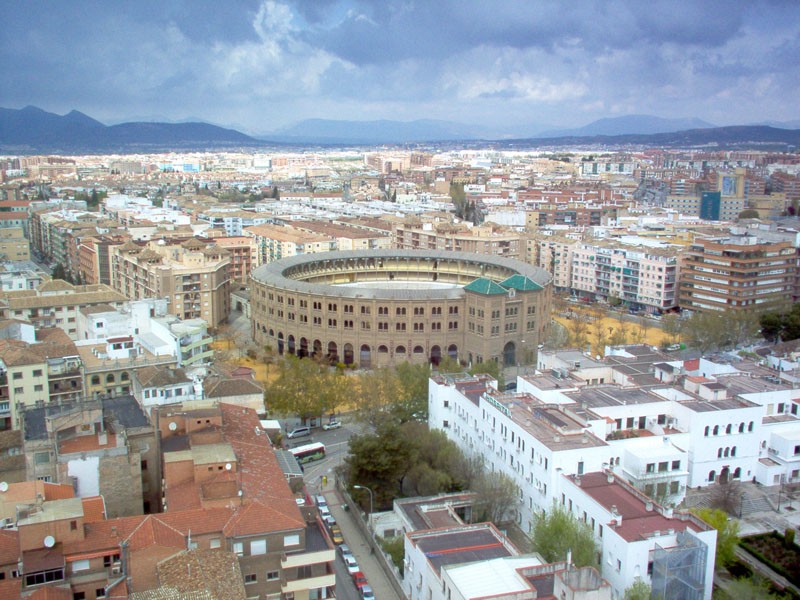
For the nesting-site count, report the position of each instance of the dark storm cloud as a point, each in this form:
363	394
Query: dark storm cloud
265	62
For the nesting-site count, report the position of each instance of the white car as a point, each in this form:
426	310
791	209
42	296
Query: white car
332	425
351	564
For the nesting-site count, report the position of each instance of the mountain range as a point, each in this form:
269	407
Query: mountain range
33	130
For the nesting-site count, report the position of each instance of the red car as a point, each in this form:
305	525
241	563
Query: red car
359	580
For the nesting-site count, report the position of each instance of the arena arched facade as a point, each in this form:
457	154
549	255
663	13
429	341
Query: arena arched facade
384	307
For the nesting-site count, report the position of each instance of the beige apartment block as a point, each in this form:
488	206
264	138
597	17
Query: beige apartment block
13	244
56	303
274	242
193	275
737	273
489	238
554	254
242	250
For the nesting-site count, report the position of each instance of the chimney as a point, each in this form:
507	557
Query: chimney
610	477
648	506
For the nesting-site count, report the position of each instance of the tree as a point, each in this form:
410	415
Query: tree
671	326
557	532
414	380
381	397
726	496
748	588
497	495
556	335
748	213
599	333
639	590
727	533
578	326
306	388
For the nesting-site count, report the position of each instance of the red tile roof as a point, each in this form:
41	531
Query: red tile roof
94	509
9	547
261	476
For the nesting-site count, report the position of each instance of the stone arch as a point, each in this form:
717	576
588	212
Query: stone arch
280	342
419	350
452	351
333	352
383	349
290	345
317	348
436	355
509	354
349	355
303	351
365	357
400	350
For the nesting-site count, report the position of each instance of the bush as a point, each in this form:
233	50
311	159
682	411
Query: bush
788	537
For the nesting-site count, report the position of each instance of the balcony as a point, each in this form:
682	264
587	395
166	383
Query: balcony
198	357
301	559
312	583
206	341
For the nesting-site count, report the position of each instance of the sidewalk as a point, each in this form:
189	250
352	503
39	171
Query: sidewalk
358	545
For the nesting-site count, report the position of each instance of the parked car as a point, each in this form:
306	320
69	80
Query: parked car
344	550
332	425
367	593
359	580
336	535
299	432
351	564
320	500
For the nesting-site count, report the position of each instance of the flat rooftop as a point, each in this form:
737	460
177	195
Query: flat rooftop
612	395
463	545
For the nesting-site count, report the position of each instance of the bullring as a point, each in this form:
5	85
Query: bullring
382	307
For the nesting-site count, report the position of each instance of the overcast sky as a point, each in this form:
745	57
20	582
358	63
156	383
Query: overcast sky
260	65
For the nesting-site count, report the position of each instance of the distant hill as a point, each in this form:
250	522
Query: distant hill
629	124
376	132
32	129
737	136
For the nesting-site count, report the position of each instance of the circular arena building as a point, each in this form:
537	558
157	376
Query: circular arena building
383	307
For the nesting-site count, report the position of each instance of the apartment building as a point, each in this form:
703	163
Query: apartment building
489	238
737	272
193	276
47	370
234	525
274	242
21	276
641	278
672	552
56	303
242	252
347	237
13	244
94	258
554	254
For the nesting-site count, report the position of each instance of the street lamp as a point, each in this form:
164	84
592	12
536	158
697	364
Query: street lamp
369	519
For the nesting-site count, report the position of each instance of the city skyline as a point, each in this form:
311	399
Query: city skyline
520	69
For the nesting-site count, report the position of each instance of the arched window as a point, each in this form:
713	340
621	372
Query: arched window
719	453
708	429
750	426
737	473
124	376
727	452
712	475
729	429
741	427
110	378
716	429
733	451
95	379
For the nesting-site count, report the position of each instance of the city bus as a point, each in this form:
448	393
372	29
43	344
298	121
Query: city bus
308	452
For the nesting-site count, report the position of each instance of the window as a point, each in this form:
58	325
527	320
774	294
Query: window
215	543
19	390
110	558
79	596
251	578
676	465
38	388
17	375
36	373
100	593
272	575
238	548
291	540
662	467
651	468
80	565
258	547
95	380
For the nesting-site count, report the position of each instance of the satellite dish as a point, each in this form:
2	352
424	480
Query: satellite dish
3	486
49	541
173	426
228	466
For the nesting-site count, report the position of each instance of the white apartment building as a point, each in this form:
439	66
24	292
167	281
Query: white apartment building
637	538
